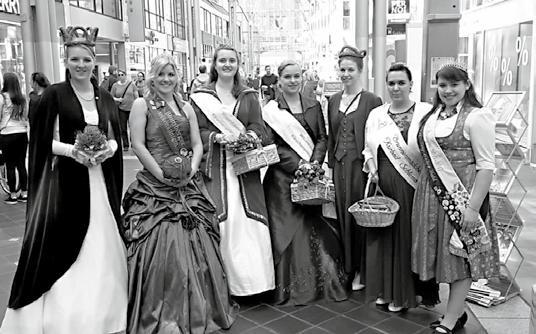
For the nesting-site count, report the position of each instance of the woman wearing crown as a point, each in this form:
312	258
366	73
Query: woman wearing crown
454	239
347	114
72	272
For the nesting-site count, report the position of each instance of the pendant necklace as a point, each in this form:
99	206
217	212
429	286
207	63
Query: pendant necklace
82	96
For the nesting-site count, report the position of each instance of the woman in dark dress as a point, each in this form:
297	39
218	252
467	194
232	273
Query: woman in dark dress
347	114
307	249
176	279
390	142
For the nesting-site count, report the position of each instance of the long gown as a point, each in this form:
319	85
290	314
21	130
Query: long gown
307	249
91	297
388	256
176	279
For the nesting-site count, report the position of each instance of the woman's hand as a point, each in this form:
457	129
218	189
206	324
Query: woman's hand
223	139
373	176
469	220
103	155
82	158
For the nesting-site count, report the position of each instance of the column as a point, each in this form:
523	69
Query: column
27	43
532	95
362	33
378	45
43	40
54	44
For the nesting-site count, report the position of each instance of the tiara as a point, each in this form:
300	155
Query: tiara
78	35
457	65
350	52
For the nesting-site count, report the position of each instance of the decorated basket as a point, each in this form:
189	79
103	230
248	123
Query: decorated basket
374	211
255	159
312	193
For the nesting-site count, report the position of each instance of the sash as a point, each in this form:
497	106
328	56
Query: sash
289	129
397	150
451	193
212	108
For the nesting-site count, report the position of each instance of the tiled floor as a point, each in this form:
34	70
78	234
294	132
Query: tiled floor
351	316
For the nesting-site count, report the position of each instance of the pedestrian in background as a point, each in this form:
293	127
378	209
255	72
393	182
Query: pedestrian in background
124	93
39	84
202	79
347	114
268	84
72	272
140	83
109	81
14	137
454	237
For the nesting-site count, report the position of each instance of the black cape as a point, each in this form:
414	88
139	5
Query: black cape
57	215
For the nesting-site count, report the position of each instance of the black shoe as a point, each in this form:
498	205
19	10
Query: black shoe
10	200
22	198
440	329
460	323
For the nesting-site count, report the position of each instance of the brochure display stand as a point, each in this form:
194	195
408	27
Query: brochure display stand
510	154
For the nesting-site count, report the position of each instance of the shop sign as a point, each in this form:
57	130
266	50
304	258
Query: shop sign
396	29
398	11
10	6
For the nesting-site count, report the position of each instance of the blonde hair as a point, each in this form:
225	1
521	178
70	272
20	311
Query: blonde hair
157	65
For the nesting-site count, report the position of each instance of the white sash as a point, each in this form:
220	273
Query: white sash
451	181
397	149
212	108
289	129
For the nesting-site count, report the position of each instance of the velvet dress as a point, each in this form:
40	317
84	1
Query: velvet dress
176	279
345	147
307	248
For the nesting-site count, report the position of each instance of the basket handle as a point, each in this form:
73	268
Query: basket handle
376	191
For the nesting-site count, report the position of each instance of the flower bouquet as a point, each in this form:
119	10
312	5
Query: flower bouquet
311	186
91	140
250	155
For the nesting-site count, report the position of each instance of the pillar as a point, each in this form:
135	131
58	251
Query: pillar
362	33
379	38
43	40
54	43
27	43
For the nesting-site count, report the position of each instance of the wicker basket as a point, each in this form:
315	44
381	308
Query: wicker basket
374	211
316	193
255	159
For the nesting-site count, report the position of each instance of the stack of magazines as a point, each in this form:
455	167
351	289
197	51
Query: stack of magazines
482	294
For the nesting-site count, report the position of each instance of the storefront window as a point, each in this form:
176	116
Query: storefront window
111	8
154	15
11	51
177	19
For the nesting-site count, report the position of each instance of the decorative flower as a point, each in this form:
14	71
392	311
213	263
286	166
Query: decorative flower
244	143
91	140
309	172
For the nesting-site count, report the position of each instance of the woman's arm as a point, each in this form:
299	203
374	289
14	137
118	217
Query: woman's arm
321	145
195	138
137	122
370	165
255	122
481	129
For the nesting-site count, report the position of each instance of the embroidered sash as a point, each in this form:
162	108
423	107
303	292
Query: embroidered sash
397	150
168	124
289	129
212	108
451	193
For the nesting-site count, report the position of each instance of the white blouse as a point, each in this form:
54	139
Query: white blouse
479	128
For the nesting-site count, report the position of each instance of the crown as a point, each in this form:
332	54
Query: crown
348	51
78	35
457	65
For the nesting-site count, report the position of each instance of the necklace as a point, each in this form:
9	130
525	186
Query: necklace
444	114
90	98
401	112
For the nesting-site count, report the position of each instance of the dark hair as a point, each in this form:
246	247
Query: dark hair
353	54
398	67
285	64
452	73
142	74
238	85
202	68
11	86
40	79
267	66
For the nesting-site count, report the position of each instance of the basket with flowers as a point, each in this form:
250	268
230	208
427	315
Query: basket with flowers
250	155
311	186
91	140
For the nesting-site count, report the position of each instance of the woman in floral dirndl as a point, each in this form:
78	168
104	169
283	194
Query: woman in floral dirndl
307	248
454	239
176	278
391	142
